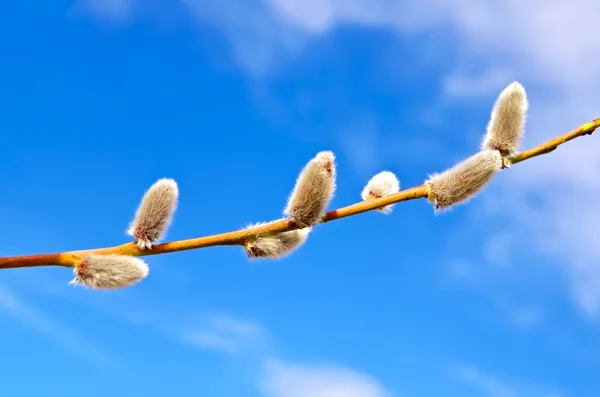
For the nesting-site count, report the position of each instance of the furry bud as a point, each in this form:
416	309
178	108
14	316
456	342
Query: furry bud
464	180
507	123
277	245
109	271
381	185
153	216
313	191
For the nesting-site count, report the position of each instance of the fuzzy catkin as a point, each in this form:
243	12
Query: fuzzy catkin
153	216
277	245
314	190
507	122
381	185
109	271
463	181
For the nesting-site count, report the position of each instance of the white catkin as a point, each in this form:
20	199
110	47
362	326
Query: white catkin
109	271
154	214
277	245
314	190
507	122
465	180
381	185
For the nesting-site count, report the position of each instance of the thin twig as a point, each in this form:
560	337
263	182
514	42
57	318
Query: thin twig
551	145
69	259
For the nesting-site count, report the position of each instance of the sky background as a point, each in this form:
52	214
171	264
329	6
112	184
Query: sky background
100	98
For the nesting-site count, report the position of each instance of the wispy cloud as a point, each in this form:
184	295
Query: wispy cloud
249	344
52	329
522	316
247	341
242	328
527	312
480	85
527	316
258	38
288	379
491	386
361	144
108	10
212	340
225	333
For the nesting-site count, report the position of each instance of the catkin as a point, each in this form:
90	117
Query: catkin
381	185
153	216
313	191
109	271
507	123
277	245
463	181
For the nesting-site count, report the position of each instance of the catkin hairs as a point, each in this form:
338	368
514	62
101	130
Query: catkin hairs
277	245
381	185
109	271
507	123
463	181
154	214
313	191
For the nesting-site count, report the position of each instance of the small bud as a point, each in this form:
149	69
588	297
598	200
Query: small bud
109	271
313	191
381	185
464	180
153	216
276	245
506	125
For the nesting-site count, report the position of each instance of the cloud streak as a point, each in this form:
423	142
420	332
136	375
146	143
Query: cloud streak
52	329
288	379
226	334
111	10
491	386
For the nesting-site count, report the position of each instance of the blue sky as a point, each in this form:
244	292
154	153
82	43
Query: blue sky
499	298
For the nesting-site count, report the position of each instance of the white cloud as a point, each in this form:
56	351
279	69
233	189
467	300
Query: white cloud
248	341
542	37
287	379
52	329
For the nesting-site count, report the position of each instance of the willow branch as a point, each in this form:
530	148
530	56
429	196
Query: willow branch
238	237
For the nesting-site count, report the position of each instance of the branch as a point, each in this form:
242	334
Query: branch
239	237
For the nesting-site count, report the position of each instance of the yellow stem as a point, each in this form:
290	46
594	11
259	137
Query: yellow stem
551	145
238	237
